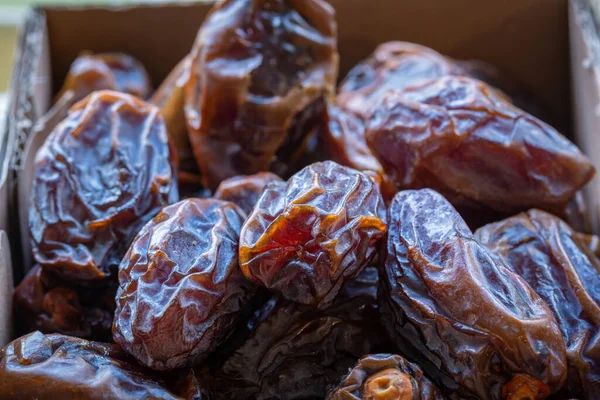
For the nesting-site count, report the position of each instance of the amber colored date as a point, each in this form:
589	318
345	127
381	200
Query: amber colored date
385	377
458	136
44	303
478	325
310	235
106	71
180	286
547	253
51	367
261	70
245	190
101	174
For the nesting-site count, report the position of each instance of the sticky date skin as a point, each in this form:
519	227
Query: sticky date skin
442	293
385	377
261	70
548	254
460	137
102	173
50	367
180	287
308	236
245	190
50	305
106	71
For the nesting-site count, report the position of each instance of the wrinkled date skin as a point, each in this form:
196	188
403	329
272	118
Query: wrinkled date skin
51	367
385	377
308	236
106	71
261	70
180	287
295	352
479	325
392	66
245	190
457	136
547	253
46	304
102	173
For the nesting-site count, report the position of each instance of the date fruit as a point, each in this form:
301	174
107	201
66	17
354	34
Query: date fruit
385	377
308	236
547	253
261	70
102	173
46	304
106	71
478	325
244	190
180	286
458	136
51	367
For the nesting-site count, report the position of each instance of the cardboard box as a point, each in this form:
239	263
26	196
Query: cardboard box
527	39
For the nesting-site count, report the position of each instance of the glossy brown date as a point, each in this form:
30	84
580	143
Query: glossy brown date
547	253
180	286
308	236
245	190
261	70
50	306
106	71
458	136
478	326
102	173
385	377
51	367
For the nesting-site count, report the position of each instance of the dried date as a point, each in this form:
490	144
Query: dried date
102	173
547	253
264	68
479	327
54	366
180	287
385	377
457	136
46	304
245	190
308	236
106	71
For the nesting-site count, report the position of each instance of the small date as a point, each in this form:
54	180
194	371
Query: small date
479	327
310	235
101	174
180	286
245	190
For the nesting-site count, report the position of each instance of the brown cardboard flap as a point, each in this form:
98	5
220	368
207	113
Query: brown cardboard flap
6	291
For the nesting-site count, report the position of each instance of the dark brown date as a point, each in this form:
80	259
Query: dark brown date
547	253
576	213
102	173
293	351
392	66
264	68
458	136
50	367
169	98
479	327
385	377
180	286
245	190
46	304
106	71
310	235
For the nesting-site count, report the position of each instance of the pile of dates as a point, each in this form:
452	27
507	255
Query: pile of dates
251	230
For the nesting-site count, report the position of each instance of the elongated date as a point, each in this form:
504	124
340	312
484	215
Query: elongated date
480	328
549	255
